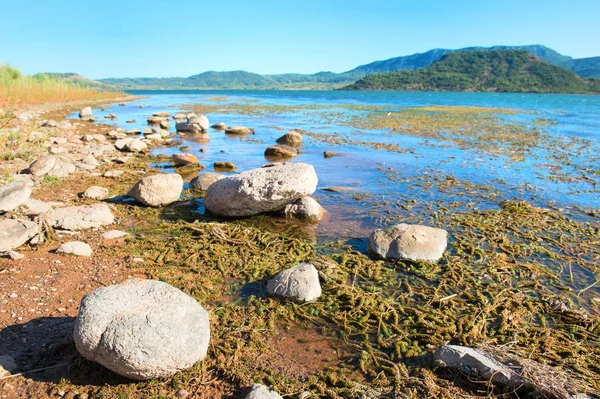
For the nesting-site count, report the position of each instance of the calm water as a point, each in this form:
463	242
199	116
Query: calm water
381	186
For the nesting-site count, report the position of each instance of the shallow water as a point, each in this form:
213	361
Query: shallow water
381	187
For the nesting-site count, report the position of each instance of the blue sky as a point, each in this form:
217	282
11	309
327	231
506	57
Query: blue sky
181	38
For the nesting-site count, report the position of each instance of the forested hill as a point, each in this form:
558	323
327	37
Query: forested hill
483	70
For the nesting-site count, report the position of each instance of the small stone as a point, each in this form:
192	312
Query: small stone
329	154
300	283
239	130
156	190
224	165
75	248
182	393
219	126
114	234
281	151
96	192
42	166
85	113
260	391
204	180
12	195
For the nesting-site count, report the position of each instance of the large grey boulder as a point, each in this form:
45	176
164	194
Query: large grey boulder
142	329
300	283
80	217
158	190
12	195
408	241
261	190
14	233
476	365
260	391
42	166
305	208
204	180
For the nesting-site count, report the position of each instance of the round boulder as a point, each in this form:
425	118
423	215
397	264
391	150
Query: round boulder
185	159
300	283
96	192
158	190
292	138
199	120
75	248
204	180
142	329
408	241
305	208
281	151
261	190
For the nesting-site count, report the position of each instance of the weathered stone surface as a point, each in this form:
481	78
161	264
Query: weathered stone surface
35	207
120	144
163	114
80	217
219	126
114	234
260	391
42	166
158	190
136	146
201	121
75	248
62	169
142	329
241	130
14	233
305	208
12	195
204	180
96	192
188	127
261	190
476	365
407	241
290	138
85	112
281	151
185	159
300	283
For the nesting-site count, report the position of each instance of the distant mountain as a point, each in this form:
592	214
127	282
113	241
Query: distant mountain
72	78
483	70
587	67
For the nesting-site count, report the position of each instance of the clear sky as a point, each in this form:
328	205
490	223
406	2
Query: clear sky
135	38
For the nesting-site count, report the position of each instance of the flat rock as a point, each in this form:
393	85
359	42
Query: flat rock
305	208
142	329
261	190
34	207
476	365
260	391
113	173
299	283
239	130
185	159
75	248
80	217
224	165
156	190
114	234
42	166
290	138
219	126
96	192
14	233
204	180
12	195
281	151
408	241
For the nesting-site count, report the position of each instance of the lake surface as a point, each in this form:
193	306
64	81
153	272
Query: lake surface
376	186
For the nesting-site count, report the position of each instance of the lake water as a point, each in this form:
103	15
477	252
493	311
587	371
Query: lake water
376	186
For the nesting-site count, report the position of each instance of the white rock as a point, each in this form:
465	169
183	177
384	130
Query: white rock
12	195
260	190
142	329
406	241
158	190
96	192
305	208
15	256
14	233
80	217
300	283
42	166
260	391
114	234
75	248
85	112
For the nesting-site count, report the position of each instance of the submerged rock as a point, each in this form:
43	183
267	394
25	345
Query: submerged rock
300	283
281	151
142	329
80	217
158	190
239	130
12	195
185	159
290	138
406	241
224	165
261	190
14	233
219	126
